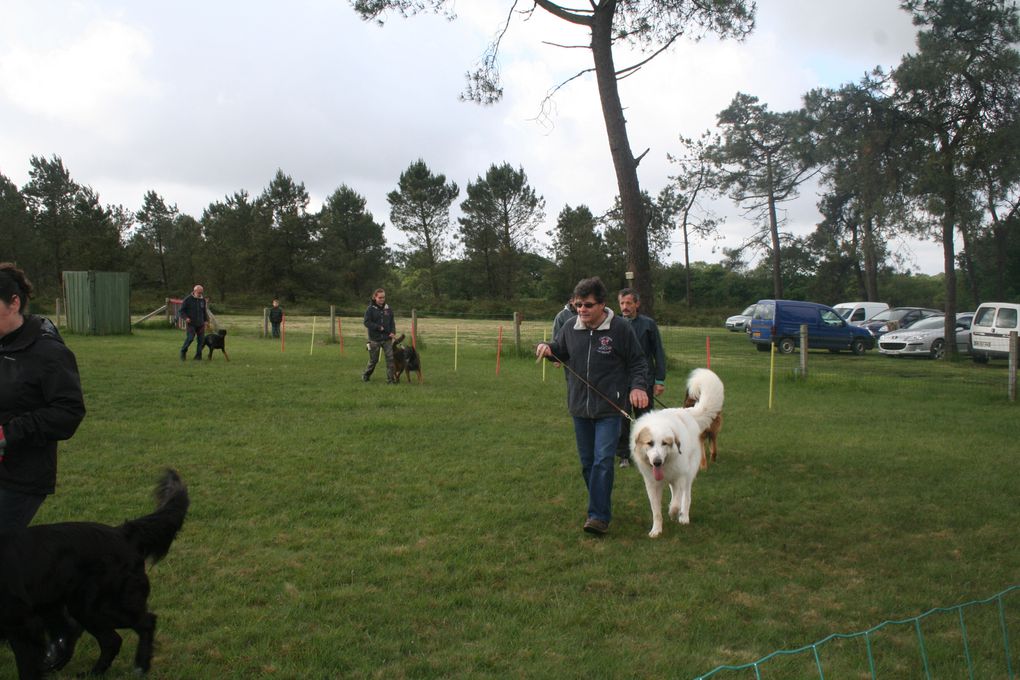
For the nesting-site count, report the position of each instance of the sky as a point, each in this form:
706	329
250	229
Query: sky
197	100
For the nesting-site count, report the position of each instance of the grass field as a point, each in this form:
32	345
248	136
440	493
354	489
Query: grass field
342	529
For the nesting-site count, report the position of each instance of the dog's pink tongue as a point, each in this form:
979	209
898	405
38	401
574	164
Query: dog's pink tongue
657	471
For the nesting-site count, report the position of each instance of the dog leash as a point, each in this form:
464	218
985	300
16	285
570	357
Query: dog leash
591	387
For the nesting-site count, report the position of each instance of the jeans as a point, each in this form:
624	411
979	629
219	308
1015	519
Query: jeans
191	334
596	447
17	509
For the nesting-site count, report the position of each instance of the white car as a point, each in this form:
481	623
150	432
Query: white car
738	322
926	337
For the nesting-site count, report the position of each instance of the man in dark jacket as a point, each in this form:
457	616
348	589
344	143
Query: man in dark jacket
651	345
195	315
607	374
381	331
40	402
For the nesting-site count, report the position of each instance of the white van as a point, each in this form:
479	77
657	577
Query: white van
989	334
859	312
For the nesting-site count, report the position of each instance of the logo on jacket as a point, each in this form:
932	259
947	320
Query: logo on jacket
605	345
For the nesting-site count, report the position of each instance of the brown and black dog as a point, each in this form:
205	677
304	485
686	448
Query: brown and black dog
711	434
217	340
94	571
405	360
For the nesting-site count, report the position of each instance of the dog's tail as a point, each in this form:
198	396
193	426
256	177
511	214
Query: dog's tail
152	535
705	388
399	339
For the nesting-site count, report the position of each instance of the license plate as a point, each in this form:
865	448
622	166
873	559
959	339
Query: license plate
756	334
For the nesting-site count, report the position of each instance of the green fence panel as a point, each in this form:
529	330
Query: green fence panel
98	302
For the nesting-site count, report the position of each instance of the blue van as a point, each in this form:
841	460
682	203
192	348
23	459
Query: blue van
779	322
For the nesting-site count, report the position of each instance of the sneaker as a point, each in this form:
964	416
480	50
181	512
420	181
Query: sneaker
364	378
625	462
183	356
596	526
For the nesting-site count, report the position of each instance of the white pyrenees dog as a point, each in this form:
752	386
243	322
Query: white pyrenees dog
666	447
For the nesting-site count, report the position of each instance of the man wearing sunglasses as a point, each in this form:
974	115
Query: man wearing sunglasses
606	375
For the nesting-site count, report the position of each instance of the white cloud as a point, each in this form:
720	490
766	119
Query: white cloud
83	82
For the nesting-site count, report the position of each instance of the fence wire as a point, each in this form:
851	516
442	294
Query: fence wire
975	656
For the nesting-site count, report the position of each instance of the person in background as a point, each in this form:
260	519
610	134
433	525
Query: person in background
651	345
195	315
607	375
41	403
563	316
276	317
381	331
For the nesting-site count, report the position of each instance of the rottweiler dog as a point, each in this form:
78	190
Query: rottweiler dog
405	360
217	340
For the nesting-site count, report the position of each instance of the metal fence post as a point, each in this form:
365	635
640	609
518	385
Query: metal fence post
517	332
803	350
1012	365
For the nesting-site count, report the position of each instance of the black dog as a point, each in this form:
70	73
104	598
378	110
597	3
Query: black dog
217	340
95	571
405	360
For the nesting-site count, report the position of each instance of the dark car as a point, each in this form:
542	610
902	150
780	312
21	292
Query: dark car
896	318
779	322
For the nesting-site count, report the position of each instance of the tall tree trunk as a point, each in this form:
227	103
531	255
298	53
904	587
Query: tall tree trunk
777	259
948	247
623	159
968	265
687	264
870	260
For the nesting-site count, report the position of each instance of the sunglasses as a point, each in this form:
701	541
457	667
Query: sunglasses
586	305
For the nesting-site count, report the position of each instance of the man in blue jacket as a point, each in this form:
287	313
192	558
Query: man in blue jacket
195	315
607	374
651	345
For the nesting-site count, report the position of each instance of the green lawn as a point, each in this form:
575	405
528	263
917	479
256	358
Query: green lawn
343	529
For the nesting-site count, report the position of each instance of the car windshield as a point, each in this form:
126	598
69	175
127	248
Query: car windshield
927	324
884	315
748	312
844	311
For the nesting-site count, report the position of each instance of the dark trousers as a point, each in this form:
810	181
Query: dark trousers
193	333
17	509
373	358
276	329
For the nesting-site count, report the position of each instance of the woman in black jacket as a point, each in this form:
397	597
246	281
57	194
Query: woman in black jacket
40	401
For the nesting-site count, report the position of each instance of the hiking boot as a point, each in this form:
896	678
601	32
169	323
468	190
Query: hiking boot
596	526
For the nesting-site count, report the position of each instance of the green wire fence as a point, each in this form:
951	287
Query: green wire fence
814	653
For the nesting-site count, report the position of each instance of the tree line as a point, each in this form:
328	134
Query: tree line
930	149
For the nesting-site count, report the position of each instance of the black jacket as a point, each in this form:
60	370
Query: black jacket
609	358
379	322
40	403
193	311
275	314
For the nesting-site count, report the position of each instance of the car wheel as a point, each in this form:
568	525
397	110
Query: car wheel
857	347
938	349
787	345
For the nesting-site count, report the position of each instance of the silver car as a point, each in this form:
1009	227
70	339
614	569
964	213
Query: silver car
738	322
925	337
